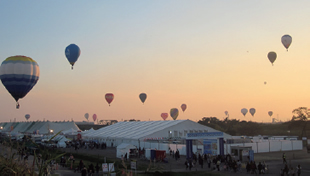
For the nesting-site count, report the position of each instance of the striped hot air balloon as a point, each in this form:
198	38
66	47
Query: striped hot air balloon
19	74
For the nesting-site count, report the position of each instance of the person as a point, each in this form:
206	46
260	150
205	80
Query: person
292	171
186	164
190	164
200	161
91	169
284	158
209	162
286	169
84	172
264	167
259	167
81	165
97	167
248	167
298	170
218	165
126	156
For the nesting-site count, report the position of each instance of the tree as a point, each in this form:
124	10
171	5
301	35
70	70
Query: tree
301	113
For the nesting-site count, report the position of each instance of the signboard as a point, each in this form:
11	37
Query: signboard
133	164
245	153
105	167
210	146
204	135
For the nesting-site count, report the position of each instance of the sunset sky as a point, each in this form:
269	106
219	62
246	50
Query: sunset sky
208	54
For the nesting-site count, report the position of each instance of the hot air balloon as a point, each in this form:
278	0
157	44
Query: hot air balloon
272	56
226	113
164	115
19	74
252	111
72	53
244	111
94	117
183	107
109	97
142	97
270	113
86	116
27	116
174	112
286	41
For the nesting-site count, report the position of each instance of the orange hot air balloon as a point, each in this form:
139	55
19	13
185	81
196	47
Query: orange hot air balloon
109	97
164	115
183	107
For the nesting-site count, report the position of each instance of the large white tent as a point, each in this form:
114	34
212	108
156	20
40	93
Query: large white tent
40	127
148	134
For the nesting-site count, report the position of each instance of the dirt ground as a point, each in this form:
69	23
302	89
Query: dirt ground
273	160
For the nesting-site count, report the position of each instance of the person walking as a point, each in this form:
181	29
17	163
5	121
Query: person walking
284	158
218	165
298	170
186	164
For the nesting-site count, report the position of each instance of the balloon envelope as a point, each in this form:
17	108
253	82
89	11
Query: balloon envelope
183	107
272	56
174	112
19	74
244	111
109	97
27	116
86	116
164	115
94	117
270	113
226	112
142	97
286	41
72	53
252	111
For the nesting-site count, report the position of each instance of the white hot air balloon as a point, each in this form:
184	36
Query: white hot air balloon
286	41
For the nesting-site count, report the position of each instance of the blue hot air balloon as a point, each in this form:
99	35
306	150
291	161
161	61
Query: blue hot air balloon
19	74
72	53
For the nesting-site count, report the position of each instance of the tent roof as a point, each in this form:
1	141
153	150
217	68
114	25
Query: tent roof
124	145
141	129
43	127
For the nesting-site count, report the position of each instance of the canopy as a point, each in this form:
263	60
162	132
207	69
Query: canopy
124	148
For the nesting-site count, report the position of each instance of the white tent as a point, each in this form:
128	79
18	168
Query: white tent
124	148
41	127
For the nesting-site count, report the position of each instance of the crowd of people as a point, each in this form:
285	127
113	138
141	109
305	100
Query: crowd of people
227	163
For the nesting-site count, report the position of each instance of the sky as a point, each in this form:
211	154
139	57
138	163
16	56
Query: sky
210	55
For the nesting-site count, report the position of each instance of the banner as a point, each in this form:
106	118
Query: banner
210	146
133	164
106	169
